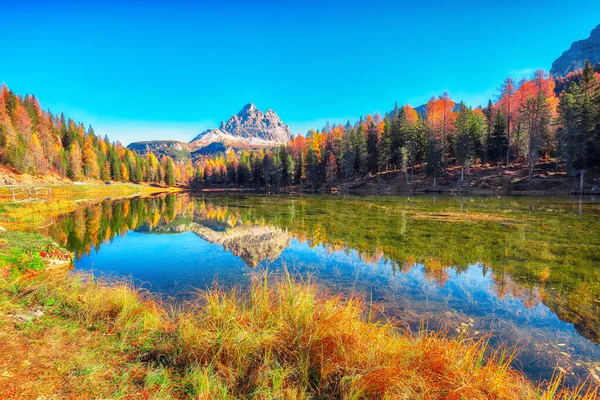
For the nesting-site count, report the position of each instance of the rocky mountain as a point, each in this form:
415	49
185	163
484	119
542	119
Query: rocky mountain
248	129
578	53
253	244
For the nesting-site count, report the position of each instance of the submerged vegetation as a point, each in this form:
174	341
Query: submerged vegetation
286	337
538	250
282	339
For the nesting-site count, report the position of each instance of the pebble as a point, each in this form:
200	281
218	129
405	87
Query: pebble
26	317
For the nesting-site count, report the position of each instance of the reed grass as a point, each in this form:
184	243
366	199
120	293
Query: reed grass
282	339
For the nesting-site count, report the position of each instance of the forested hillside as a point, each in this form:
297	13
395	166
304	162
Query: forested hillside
528	122
38	142
535	119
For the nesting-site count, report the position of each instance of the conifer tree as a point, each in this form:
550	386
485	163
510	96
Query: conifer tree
497	141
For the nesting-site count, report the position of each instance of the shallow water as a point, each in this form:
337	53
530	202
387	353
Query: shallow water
523	271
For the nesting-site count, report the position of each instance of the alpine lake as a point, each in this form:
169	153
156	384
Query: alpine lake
523	272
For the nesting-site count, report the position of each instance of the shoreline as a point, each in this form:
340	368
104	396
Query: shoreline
444	192
121	331
482	181
66	198
135	333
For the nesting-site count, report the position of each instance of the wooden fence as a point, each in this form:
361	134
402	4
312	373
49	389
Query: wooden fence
31	192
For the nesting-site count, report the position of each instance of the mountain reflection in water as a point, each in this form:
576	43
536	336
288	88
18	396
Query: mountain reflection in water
523	271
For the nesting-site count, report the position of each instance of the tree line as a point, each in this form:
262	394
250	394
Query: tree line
529	121
38	142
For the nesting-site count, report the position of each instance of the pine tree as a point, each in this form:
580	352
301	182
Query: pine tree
385	145
313	168
463	146
349	154
579	125
170	172
434	160
359	144
497	141
372	147
489	116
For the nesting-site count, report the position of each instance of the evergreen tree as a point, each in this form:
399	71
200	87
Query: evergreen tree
313	168
497	141
372	147
434	164
359	144
349	154
463	145
170	172
385	145
489	116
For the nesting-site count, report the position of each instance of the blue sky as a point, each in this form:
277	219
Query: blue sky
146	70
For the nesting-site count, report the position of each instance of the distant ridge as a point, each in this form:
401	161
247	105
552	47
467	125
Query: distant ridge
249	129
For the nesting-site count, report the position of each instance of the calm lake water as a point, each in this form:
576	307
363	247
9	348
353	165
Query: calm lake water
523	271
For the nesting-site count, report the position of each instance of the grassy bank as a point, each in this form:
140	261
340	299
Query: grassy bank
73	336
62	199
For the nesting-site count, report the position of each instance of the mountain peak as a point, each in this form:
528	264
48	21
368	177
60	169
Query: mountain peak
248	108
250	127
579	52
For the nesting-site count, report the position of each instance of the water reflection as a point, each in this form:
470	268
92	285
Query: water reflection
523	270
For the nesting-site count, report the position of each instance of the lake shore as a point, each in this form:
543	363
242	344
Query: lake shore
33	210
481	180
288	340
285	339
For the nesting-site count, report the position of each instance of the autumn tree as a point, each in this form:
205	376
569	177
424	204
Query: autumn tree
74	170
440	120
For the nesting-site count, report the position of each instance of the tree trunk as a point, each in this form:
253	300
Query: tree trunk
581	181
462	175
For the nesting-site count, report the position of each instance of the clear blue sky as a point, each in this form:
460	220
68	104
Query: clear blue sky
145	70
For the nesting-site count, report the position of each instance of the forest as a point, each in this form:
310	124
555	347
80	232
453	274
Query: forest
38	142
534	119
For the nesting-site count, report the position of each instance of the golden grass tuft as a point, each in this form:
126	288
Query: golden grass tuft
322	347
282	339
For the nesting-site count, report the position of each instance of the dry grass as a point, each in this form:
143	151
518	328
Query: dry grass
281	340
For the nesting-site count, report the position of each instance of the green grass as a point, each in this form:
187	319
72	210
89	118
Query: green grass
285	339
31	214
